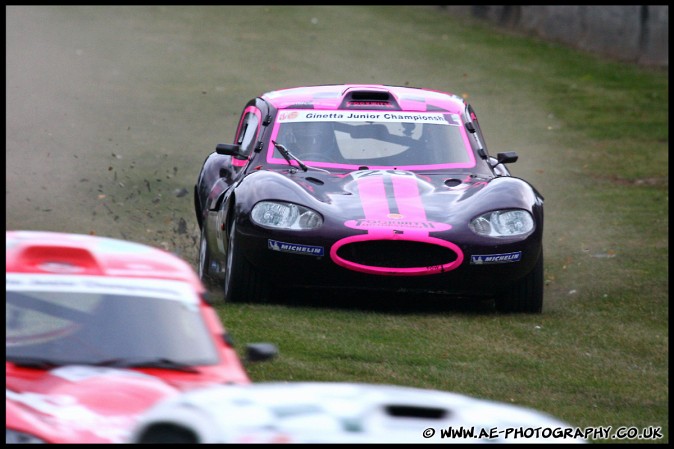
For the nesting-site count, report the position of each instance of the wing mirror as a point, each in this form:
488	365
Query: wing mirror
230	149
506	158
501	158
258	352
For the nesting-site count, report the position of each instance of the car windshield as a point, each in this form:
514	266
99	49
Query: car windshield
96	320
374	139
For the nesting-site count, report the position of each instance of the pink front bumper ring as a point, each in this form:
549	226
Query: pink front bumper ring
413	271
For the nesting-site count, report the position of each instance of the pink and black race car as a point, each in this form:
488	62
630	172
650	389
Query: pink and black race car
98	330
367	187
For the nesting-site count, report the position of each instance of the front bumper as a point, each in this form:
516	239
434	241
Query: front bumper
403	263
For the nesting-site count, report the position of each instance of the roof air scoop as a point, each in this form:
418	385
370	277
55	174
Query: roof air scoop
370	99
371	96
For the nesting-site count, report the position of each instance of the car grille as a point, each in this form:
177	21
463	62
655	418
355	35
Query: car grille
396	253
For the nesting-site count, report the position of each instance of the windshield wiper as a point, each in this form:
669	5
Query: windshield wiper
36	362
288	156
162	363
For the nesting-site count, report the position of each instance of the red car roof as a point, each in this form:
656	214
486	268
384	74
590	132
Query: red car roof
65	253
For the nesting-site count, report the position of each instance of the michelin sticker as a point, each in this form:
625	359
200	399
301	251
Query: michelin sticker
484	259
284	247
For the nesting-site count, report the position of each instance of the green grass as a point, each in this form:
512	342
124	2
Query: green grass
598	355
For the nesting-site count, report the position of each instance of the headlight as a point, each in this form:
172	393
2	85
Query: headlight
503	223
16	437
275	214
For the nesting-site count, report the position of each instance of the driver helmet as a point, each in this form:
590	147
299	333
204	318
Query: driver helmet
307	137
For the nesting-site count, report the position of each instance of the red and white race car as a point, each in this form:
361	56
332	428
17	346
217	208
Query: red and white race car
343	412
98	330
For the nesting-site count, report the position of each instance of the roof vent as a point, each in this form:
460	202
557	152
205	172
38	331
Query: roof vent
59	259
370	99
370	96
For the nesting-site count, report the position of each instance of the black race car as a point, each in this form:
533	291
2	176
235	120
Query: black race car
367	187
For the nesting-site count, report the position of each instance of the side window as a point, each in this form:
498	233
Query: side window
478	131
248	131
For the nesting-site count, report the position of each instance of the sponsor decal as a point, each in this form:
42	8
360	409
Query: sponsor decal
484	259
61	267
295	248
81	373
67	412
364	223
113	285
384	117
292	115
370	103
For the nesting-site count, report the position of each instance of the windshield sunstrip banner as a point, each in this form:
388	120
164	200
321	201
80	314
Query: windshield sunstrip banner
368	116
